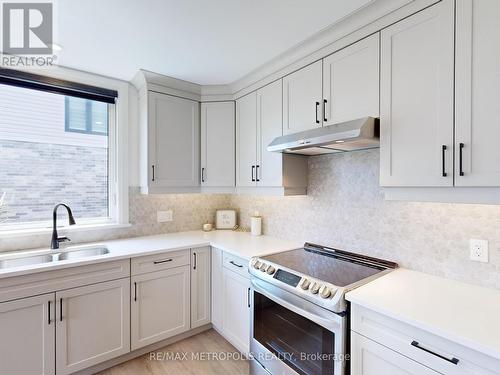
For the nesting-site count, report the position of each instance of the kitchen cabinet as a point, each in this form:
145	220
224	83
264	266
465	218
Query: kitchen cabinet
170	143
477	85
92	324
371	358
218	144
351	82
302	99
27	327
236	309
258	121
200	286
160	305
217	288
416	99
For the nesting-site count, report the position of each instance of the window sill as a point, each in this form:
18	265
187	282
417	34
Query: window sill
22	232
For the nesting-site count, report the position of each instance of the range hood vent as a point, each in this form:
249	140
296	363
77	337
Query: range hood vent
360	134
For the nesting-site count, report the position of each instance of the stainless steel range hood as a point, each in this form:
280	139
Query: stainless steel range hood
352	135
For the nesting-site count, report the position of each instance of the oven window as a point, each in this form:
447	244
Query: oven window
302	344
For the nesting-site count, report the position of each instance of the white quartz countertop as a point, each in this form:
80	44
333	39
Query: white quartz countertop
241	244
463	313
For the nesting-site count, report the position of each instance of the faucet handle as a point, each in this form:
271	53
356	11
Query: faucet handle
63	239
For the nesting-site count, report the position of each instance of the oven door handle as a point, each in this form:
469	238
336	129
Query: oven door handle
327	319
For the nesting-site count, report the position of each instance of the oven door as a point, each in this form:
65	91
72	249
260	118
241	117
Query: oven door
290	335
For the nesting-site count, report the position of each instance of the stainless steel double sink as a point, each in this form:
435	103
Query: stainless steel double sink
70	253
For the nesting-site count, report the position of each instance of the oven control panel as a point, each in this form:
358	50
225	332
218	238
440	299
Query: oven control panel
314	290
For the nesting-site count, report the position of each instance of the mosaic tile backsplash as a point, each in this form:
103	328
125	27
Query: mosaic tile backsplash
345	208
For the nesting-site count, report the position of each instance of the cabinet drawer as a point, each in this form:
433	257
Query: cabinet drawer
399	336
157	262
236	264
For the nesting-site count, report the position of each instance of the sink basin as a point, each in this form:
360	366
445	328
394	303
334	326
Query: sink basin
25	261
83	253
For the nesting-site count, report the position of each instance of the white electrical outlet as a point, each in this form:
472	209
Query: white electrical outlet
479	250
164	216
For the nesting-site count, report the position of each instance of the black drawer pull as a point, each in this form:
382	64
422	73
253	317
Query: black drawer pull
248	298
153	167
253	172
443	150
202	174
460	159
162	261
50	320
135	292
60	310
236	264
316	110
417	345
324	110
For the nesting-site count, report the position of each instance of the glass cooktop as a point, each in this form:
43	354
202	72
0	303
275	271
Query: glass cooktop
337	269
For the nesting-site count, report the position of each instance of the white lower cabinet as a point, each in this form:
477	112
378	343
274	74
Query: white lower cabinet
371	358
160	305
200	286
217	277
27	336
236	309
92	324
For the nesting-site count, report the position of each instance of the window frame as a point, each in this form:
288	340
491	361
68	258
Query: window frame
118	208
88	118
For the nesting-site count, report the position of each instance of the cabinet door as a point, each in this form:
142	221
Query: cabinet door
351	82
160	305
477	124
371	358
246	140
217	144
217	292
174	132
302	98
270	125
200	286
27	343
416	112
93	325
236	310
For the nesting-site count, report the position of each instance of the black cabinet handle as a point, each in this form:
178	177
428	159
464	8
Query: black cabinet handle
202	174
194	265
60	310
50	320
443	156
460	159
162	261
253	170
135	291
153	167
248	297
324	110
316	110
451	360
236	264
257	173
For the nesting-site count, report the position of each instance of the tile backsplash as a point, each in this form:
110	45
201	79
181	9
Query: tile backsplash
345	208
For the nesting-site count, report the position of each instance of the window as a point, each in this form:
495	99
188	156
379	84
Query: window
85	116
54	148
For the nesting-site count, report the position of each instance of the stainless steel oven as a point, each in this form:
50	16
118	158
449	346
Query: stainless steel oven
290	335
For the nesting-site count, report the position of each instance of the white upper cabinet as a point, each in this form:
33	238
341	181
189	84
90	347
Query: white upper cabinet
303	98
416	95
477	124
270	126
218	144
351	82
246	140
27	344
258	122
171	144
